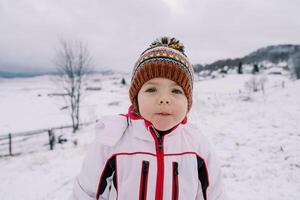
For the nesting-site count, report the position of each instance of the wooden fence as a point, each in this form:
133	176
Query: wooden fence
7	141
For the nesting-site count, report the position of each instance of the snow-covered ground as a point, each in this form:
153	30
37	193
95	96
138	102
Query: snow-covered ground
256	135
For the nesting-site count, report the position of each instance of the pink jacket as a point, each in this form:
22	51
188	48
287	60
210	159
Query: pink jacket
130	161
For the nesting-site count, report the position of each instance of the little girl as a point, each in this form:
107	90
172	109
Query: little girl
152	152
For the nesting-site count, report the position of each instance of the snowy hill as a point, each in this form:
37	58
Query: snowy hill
255	134
272	54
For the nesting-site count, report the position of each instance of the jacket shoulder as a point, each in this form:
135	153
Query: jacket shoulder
194	131
198	140
109	129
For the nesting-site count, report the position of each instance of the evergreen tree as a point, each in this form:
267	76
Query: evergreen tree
295	63
255	69
123	82
240	68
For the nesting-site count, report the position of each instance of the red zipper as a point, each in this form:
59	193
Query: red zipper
160	163
144	180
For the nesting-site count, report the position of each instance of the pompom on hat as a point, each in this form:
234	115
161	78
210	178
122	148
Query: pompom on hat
164	58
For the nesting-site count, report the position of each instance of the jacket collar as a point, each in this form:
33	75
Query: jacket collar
141	126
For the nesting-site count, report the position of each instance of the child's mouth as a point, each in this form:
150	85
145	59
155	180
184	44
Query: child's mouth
163	114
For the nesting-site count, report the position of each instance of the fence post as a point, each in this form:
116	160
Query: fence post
10	144
51	138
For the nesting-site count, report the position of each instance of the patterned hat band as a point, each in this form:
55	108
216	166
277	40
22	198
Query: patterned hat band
164	59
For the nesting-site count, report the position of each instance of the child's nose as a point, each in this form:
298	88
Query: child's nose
161	102
164	100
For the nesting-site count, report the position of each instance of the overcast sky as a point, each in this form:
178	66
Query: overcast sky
117	31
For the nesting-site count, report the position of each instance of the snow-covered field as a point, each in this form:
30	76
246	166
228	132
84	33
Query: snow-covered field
257	136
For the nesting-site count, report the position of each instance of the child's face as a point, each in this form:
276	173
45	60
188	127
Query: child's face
162	102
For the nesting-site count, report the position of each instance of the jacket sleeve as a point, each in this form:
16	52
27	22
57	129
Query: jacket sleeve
87	183
210	177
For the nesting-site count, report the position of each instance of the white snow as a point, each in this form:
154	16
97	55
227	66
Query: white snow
256	138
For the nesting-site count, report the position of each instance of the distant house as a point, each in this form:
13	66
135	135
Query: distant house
283	65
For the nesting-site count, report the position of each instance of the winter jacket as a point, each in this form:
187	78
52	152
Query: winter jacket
130	161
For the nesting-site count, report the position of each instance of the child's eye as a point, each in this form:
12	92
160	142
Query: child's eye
151	90
177	91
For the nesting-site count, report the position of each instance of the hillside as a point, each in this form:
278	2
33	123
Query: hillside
273	54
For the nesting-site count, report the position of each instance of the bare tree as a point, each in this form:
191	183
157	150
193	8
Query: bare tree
73	64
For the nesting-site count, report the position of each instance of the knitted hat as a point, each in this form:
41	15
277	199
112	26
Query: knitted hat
164	58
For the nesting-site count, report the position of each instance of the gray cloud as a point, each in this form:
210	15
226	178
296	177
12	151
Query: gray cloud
118	31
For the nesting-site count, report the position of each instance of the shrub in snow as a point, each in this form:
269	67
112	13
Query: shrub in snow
252	84
255	84
262	80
